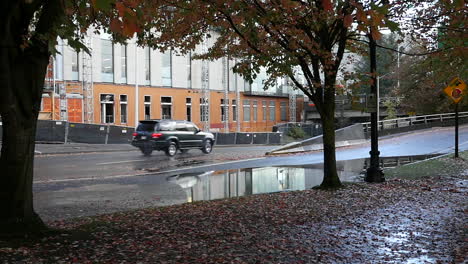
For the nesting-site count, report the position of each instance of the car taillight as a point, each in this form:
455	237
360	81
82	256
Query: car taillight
135	134
156	135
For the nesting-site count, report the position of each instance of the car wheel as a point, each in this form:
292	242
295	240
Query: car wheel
184	151
171	150
207	146
146	151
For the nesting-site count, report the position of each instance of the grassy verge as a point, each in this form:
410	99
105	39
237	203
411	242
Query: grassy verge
443	166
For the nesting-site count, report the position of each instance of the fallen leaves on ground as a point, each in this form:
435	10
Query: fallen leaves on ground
400	221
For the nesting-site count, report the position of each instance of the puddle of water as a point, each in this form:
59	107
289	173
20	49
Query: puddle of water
61	200
248	181
240	182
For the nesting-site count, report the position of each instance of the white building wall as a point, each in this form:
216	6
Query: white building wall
180	68
117	63
156	64
67	55
140	68
58	67
131	46
179	71
216	75
96	58
196	74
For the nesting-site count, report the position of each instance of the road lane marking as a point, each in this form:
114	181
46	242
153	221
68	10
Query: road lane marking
450	148
137	174
116	162
94	178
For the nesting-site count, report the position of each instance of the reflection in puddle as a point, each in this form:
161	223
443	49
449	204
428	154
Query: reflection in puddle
240	182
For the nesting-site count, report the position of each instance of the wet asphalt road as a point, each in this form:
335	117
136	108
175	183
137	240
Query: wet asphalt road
94	183
130	163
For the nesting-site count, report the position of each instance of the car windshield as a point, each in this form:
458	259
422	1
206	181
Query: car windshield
148	127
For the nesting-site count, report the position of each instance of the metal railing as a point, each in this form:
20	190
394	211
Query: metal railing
413	120
268	94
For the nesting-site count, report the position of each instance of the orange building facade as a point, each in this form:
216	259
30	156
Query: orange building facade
101	89
115	104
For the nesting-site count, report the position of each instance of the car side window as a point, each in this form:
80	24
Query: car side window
167	126
180	126
191	127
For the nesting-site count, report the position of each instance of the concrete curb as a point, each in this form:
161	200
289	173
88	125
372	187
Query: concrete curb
316	147
353	134
82	151
39	153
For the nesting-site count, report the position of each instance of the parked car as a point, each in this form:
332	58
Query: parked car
170	136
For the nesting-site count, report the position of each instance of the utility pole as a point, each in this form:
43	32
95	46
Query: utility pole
374	172
456	131
136	86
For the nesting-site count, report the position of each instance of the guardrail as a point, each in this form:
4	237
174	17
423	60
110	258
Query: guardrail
413	120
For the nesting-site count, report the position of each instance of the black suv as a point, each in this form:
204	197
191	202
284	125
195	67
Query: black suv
170	136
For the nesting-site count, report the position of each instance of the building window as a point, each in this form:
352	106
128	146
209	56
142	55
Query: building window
272	111
166	107
123	63
246	107
188	104
224	109
167	68
107	61
147	107
264	108
107	108
204	110
283	111
147	65
254	110
74	65
123	109
234	110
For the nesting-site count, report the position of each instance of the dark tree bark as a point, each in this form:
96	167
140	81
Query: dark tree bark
23	65
327	114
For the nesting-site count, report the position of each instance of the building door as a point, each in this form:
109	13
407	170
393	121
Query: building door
75	111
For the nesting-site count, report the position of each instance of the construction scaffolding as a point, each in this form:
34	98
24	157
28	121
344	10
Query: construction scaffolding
49	89
205	90
87	81
292	100
226	93
292	105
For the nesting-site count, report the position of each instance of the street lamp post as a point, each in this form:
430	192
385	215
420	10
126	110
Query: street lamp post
378	101
374	173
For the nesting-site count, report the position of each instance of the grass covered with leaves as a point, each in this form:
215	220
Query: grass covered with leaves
399	221
446	165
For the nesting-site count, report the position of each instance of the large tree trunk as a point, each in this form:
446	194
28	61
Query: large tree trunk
21	80
327	114
330	178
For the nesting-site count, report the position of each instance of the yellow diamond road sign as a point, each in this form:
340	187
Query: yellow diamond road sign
455	89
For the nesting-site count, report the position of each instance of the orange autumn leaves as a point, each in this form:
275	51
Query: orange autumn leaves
123	15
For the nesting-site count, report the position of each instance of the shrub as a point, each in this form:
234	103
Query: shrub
296	132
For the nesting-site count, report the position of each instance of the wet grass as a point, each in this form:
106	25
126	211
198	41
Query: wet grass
447	165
